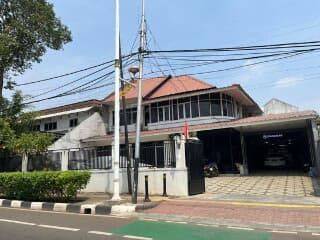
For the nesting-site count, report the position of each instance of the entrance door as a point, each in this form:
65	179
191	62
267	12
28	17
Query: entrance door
195	164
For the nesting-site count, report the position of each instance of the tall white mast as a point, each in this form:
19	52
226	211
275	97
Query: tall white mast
138	129
116	152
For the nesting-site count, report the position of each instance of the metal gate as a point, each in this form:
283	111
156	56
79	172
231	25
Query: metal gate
195	164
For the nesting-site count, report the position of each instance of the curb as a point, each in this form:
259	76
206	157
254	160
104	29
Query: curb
90	209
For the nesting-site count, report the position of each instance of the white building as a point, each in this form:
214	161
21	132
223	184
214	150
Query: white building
228	122
275	106
60	120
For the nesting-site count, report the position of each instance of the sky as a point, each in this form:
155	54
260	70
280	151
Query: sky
180	24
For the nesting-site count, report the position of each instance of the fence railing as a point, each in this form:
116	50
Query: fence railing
48	161
159	155
152	155
10	162
90	159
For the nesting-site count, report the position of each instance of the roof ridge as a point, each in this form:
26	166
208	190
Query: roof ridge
196	79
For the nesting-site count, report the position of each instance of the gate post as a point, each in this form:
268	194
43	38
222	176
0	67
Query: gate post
24	164
179	144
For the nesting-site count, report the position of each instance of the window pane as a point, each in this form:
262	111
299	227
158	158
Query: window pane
174	112
166	113
165	103
204	108
161	114
134	117
194	109
154	115
187	110
146	115
215	108
181	111
128	117
230	109
121	118
215	96
204	97
184	100
225	109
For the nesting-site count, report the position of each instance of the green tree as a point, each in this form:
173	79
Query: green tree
27	29
16	128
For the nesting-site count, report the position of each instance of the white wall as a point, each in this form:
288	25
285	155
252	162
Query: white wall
177	181
91	127
63	121
275	106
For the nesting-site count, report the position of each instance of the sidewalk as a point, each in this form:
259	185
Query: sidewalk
259	215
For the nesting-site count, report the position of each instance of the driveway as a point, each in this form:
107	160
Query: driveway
278	184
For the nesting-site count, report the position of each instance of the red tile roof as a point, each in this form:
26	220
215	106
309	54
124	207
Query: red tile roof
165	86
227	124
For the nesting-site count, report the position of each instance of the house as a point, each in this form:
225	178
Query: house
230	125
60	120
275	106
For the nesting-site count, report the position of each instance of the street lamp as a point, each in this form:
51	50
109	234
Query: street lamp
133	71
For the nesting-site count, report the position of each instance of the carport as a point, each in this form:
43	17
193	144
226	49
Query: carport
282	142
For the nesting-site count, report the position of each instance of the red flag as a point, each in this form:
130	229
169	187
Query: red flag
186	130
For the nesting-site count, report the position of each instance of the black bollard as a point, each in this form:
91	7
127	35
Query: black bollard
165	185
146	184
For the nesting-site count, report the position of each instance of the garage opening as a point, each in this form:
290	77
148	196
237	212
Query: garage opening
222	147
280	150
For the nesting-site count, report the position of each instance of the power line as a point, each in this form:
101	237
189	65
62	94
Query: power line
67	84
294	53
68	94
245	65
72	73
246	48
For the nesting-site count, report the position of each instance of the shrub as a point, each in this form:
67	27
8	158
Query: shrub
43	186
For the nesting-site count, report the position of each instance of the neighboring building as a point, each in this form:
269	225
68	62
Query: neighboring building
275	106
229	123
60	120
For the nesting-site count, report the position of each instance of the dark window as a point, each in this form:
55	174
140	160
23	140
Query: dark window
174	112
181	111
73	122
204	108
227	104
146	115
121	118
194	107
166	113
230	109
160	114
134	115
50	126
187	110
215	104
154	114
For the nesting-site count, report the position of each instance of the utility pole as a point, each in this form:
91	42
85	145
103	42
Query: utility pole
125	122
138	124
116	152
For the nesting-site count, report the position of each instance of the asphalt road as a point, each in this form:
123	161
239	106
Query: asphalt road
18	224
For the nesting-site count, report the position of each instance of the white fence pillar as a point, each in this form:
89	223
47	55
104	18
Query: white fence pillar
64	160
179	143
24	163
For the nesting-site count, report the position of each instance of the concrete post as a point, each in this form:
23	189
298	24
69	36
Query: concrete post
179	143
24	163
64	160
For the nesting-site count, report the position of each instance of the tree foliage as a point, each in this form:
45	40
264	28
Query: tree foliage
27	29
16	128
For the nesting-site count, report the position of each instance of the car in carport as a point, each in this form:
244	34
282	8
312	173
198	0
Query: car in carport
275	160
